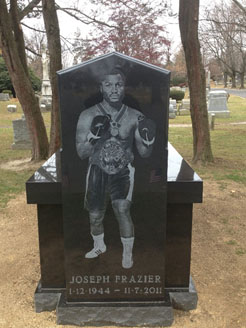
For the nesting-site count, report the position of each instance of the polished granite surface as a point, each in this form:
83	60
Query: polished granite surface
178	169
183	184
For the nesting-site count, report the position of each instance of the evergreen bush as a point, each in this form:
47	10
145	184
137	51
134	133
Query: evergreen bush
177	94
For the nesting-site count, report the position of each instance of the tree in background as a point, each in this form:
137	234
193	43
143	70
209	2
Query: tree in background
6	83
178	68
132	28
13	45
35	43
54	46
188	24
225	39
13	48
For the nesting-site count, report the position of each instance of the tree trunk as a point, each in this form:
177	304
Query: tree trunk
188	24
225	79
54	46
11	39
233	80
242	80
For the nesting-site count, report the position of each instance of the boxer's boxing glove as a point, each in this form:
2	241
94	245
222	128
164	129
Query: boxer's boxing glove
147	130
99	126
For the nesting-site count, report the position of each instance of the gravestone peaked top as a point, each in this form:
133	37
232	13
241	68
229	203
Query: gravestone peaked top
114	118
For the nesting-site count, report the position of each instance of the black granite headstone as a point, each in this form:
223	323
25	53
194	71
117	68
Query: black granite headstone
114	118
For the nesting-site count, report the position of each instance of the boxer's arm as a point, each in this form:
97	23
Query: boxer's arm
144	135
83	145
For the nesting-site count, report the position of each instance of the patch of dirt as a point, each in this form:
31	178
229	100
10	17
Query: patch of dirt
218	262
21	164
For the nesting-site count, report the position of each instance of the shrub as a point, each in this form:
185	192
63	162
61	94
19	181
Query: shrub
5	81
178	79
177	94
36	82
7	91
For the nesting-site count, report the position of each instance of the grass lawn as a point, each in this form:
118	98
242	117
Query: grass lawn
12	182
228	145
228	142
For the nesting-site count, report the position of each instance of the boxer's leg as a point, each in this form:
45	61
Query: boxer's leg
121	209
96	204
97	232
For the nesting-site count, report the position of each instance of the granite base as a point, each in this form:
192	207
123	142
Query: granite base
184	300
128	315
220	113
46	299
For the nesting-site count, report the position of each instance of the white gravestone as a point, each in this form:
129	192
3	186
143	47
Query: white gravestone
185	104
171	111
174	103
184	108
46	87
12	108
217	103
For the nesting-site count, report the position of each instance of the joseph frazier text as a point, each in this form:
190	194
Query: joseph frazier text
122	279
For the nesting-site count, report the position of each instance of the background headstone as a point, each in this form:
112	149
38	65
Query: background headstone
185	104
12	108
4	97
217	103
21	134
174	103
172	113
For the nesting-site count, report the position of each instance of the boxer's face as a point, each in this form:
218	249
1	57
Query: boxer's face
113	88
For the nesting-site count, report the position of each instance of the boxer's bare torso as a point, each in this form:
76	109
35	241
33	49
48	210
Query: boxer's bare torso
127	130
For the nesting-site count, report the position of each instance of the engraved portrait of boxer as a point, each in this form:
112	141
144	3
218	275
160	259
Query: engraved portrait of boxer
106	133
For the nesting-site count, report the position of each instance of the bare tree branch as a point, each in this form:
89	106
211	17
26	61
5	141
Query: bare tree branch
90	20
32	51
28	8
33	28
240	6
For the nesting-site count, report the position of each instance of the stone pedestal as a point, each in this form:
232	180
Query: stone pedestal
129	315
184	189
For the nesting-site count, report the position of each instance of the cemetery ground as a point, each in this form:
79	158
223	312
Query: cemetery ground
218	263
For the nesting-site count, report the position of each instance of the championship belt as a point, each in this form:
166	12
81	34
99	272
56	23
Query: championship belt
112	156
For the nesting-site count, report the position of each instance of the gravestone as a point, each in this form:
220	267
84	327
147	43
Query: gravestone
114	116
217	103
184	108
139	268
11	108
43	108
185	104
4	97
172	113
21	134
174	103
